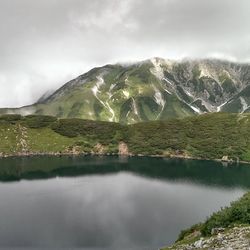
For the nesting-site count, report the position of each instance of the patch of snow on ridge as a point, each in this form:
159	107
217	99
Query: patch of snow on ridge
111	111
166	80
167	91
157	69
195	109
171	85
128	113
95	90
125	93
158	97
135	107
188	93
219	107
159	100
99	83
244	105
112	86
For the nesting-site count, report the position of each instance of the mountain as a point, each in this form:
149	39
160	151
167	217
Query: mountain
155	89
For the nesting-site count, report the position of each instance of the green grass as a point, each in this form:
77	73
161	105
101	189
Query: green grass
8	141
237	214
209	136
38	141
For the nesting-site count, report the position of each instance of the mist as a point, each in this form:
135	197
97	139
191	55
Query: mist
47	43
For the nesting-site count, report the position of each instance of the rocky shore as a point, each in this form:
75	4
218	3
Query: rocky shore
236	238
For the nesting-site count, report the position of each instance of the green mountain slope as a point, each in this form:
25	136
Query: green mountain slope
155	89
208	136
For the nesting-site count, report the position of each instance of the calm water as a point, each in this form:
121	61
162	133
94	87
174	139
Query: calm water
109	202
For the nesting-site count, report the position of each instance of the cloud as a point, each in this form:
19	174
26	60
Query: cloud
45	43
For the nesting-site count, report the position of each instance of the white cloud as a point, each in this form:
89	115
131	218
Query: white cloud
45	43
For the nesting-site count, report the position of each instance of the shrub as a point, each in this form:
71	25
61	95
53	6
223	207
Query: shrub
237	213
38	121
103	132
10	118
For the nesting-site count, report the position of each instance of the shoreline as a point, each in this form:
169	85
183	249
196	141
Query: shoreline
72	154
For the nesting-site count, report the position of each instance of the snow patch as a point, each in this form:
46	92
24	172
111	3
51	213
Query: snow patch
167	91
195	109
219	107
135	107
244	105
158	97
188	93
166	80
99	83
111	111
171	84
159	100
128	113
112	87
95	90
125	93
157	70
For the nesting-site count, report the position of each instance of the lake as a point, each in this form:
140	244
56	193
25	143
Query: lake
110	202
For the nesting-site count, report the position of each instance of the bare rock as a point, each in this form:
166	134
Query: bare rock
123	148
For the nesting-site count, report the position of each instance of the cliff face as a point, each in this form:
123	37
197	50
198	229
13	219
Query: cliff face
155	89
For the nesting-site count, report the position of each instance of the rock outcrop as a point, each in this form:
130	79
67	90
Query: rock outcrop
123	149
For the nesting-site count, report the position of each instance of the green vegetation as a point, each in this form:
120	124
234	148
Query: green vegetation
104	132
38	121
10	118
209	136
237	214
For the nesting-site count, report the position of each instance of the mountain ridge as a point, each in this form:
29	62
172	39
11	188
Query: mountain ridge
153	89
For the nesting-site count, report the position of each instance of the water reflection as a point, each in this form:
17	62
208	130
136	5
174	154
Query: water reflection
109	203
204	172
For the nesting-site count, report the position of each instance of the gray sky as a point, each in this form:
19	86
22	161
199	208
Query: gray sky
45	43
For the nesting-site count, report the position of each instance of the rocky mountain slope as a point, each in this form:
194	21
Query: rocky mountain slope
155	89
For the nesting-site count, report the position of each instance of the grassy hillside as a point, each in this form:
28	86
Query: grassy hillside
236	216
237	213
205	136
209	136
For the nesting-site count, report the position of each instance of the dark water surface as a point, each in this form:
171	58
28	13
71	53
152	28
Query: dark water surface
109	202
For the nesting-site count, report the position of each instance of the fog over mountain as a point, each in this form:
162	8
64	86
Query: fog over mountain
46	43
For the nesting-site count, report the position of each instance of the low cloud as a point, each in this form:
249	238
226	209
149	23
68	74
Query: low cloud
46	43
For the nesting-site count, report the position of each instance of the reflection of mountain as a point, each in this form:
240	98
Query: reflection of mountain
202	172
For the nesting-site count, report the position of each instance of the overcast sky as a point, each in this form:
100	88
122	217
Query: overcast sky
44	43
